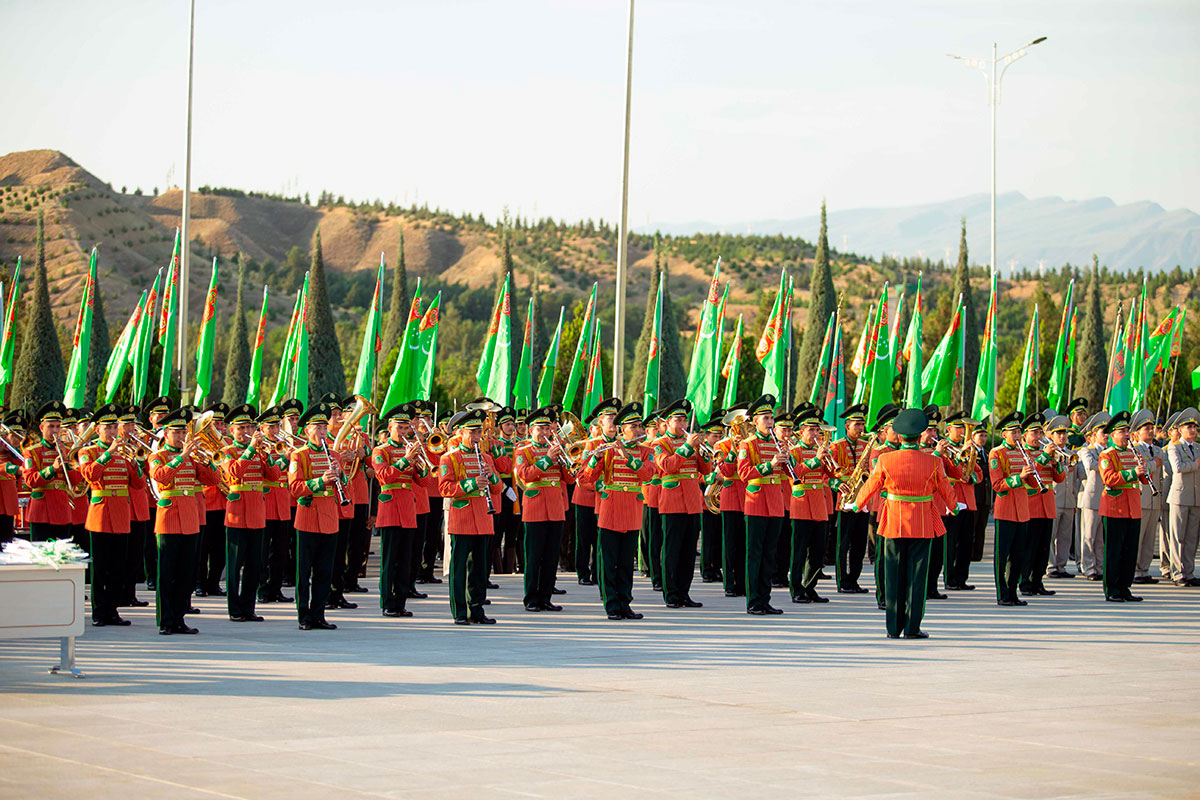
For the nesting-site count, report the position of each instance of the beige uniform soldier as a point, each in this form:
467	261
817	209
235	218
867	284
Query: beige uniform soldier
1183	503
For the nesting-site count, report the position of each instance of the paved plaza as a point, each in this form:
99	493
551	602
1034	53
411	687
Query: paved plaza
1070	696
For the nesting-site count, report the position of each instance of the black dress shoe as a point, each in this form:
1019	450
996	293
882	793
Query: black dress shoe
100	623
389	613
586	582
778	585
1095	578
281	598
304	626
266	598
952	587
917	635
135	603
690	603
461	621
165	631
556	590
821	576
200	592
656	587
357	589
731	594
1006	602
535	607
344	603
1145	579
881	606
289	583
630	614
237	618
1020	602
217	591
193	610
618	615
936	596
1114	599
181	628
548	606
758	611
432	579
413	594
322	625
1044	592
253	618
851	591
1028	592
861	590
483	621
492	585
816	598
1129	598
966	587
773	610
893	636
801	598
674	604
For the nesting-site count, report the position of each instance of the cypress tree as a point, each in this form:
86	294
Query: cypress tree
100	347
962	285
822	302
325	370
672	379
397	315
39	372
1091	362
237	363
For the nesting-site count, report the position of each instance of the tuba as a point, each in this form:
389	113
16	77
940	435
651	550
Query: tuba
362	407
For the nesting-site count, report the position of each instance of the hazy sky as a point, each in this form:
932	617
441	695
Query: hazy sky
741	110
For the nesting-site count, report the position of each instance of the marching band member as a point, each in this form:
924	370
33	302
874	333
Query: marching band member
1065	498
279	534
1011	477
247	468
399	461
51	507
180	476
851	525
110	474
1091	552
139	514
1120	510
543	473
358	544
1153	456
429	530
585	496
680	461
1183	501
10	474
907	481
508	522
290	411
930	443
345	512
153	411
807	507
886	442
763	465
465	474
1041	505
650	540
314	478
710	522
72	422
212	525
620	472
960	527
1078	416
732	499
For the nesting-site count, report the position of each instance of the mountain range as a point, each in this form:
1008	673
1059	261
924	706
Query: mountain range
1030	231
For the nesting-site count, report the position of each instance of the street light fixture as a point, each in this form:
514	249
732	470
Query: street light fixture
988	68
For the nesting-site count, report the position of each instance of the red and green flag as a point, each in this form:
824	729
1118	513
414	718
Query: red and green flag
944	367
168	320
984	402
1139	378
834	400
653	355
81	347
254	386
706	354
524	387
821	378
118	359
879	364
733	366
401	387
771	351
283	382
372	342
1029	364
913	389
894	344
1117	399
579	363
427	334
1159	346
545	390
143	347
718	363
300	376
10	329
593	391
1056	390
206	340
494	375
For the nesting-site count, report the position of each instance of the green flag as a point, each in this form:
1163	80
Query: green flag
495	368
1029	364
879	387
984	402
10	329
545	392
894	349
254	386
283	382
1158	348
145	340
1139	380
372	341
912	352
1118	373
706	353
771	352
406	373
300	355
939	374
428	336
580	363
717	362
593	391
821	377
653	357
75	395
524	386
168	320
834	399
204	345
118	359
1061	367
733	366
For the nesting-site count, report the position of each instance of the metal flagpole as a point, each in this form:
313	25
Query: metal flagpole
185	245
623	232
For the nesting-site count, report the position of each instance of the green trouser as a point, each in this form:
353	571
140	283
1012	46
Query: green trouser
1041	530
176	577
655	542
395	566
585	543
243	558
851	547
1120	554
762	537
108	573
906	567
468	574
710	546
808	553
733	551
1008	558
314	573
680	532
615	555
541	543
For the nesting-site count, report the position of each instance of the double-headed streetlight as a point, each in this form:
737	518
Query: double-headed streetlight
989	69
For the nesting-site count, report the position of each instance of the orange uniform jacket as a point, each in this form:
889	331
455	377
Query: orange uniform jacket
9	478
247	470
808	500
542	480
277	500
139	496
1004	469
397	478
48	499
1041	503
1122	496
909	483
317	509
585	491
619	474
679	471
110	477
733	488
964	484
763	497
180	482
460	478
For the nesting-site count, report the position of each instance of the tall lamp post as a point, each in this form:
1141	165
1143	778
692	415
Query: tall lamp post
623	233
989	69
185	245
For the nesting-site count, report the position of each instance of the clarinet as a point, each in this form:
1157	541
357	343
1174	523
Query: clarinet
337	480
788	463
487	489
1142	464
1036	475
